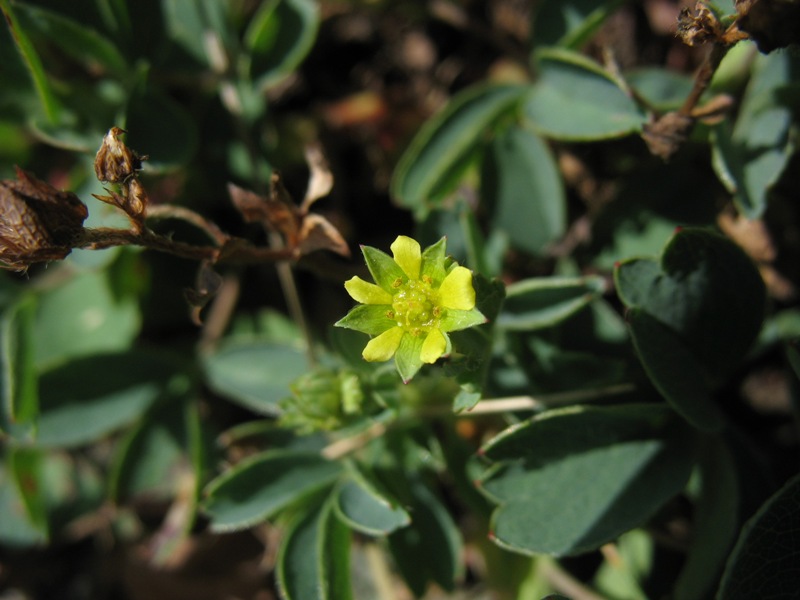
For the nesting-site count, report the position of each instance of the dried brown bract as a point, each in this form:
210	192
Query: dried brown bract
38	223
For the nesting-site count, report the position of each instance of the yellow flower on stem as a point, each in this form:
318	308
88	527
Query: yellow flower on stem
416	300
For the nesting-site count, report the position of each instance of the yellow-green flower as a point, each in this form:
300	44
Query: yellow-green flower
416	300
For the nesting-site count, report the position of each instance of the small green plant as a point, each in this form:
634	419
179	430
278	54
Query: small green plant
594	341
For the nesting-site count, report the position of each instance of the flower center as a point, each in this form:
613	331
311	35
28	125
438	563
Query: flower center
414	307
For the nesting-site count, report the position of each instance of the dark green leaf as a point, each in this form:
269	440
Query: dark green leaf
445	141
155	454
574	99
16	528
543	302
25	466
51	106
255	374
674	370
715	522
364	508
314	559
706	290
19	391
664	90
191	23
74	38
160	128
750	157
569	23
84	399
764	562
279	37
260	486
635	457
523	184
430	548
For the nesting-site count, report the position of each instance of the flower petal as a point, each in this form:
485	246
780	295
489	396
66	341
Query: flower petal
456	290
384	346
366	293
433	347
407	254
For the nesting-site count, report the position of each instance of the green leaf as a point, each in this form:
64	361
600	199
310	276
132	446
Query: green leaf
664	90
572	479
260	486
314	558
89	314
750	157
674	370
574	99
430	548
156	453
16	528
542	302
279	37
569	23
255	374
50	103
424	174
361	506
715	522
622	576
25	466
190	23
706	290
87	398
74	38
764	562
522	183
19	391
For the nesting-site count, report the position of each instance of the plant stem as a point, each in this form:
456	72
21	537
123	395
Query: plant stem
544	401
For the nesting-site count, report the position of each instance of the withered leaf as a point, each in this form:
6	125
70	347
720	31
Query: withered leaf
207	285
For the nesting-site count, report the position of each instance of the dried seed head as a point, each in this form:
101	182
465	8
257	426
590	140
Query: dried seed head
115	162
698	26
38	223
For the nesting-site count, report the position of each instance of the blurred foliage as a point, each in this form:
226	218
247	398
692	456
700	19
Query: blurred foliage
625	425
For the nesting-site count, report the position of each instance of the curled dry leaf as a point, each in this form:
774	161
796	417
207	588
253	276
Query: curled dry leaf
207	285
303	232
38	223
320	179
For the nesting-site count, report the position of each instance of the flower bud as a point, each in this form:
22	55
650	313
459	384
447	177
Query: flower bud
38	223
323	400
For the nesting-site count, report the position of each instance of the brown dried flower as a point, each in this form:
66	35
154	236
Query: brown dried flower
115	162
38	223
697	27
